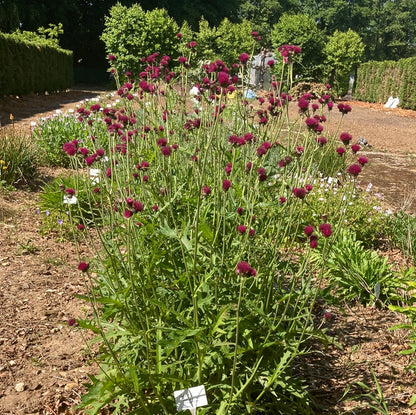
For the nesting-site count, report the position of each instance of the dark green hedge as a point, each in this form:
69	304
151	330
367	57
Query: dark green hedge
376	81
33	67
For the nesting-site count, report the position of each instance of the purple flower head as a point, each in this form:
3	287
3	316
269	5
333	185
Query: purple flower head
313	241
321	141
308	230
206	191
70	192
363	160
340	151
355	148
223	79
244	268
111	57
325	229
226	184
344	108
299	192
166	151
243	58
303	104
83	266
241	229
137	206
240	211
345	138
354	169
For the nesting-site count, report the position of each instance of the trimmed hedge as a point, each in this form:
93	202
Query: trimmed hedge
376	81
33	67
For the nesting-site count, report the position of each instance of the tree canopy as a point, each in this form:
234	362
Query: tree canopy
387	27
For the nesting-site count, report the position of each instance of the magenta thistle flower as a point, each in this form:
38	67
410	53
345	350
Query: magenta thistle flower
355	148
111	57
303	104
299	192
226	184
166	151
244	268
83	266
251	232
363	160
128	213
137	206
313	241
340	151
325	229
72	322
241	229
80	227
308	230
321	141
354	169
206	191
223	79
243	58
155	208
261	150
240	210
345	138
344	108
308	187
282	199
70	192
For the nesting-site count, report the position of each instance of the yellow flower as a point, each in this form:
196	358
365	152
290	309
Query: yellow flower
11	117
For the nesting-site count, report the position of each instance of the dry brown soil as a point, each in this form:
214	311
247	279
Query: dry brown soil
43	362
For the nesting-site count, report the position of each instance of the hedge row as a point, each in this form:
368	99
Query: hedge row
376	81
33	67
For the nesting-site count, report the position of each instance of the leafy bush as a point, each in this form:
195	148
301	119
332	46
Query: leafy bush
203	274
401	231
18	160
343	51
357	274
301	30
51	133
131	34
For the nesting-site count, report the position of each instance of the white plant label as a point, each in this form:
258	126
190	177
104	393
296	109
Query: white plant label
191	398
94	173
70	200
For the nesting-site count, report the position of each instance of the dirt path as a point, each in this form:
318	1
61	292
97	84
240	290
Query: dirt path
43	362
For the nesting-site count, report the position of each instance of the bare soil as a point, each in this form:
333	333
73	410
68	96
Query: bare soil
44	363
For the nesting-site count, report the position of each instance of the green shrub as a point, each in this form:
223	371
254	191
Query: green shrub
33	66
18	159
357	274
202	273
401	233
51	133
131	34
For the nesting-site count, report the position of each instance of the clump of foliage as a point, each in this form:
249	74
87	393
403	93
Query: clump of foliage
204	272
18	158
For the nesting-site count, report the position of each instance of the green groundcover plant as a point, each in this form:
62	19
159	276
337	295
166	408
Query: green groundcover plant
18	159
197	212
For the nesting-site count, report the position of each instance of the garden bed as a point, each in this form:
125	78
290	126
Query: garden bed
43	363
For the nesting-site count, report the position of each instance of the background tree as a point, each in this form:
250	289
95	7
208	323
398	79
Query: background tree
264	14
301	30
132	34
343	51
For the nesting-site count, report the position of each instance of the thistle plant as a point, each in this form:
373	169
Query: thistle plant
202	273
